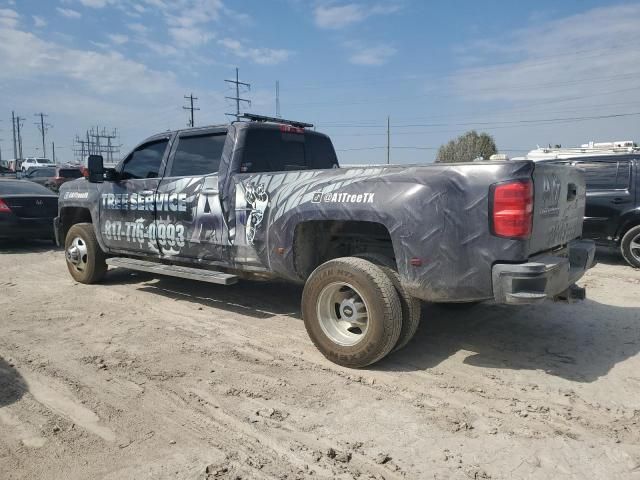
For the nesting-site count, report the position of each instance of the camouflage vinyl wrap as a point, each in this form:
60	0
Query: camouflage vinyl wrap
438	213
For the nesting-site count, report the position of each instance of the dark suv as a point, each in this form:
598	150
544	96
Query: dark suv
612	215
53	177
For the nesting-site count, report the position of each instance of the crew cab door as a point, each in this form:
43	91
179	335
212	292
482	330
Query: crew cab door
608	195
127	205
189	220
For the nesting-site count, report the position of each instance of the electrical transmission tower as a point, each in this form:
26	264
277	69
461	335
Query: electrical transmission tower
278	98
191	98
97	142
43	127
237	98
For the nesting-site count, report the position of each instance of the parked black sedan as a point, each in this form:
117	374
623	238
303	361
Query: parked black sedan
26	210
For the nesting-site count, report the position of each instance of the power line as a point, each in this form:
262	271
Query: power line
365	101
237	98
495	126
43	127
191	98
371	123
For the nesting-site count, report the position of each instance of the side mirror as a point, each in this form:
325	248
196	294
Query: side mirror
95	166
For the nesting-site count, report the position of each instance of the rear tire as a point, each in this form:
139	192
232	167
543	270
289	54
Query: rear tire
351	311
411	306
85	259
630	246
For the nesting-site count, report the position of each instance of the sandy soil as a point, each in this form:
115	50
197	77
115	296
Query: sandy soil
166	378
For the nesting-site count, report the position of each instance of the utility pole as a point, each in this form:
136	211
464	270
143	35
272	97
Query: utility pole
19	123
278	98
53	150
13	126
237	98
191	98
388	139
43	127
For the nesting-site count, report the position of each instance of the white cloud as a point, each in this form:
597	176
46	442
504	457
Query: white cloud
81	86
68	12
118	38
261	56
577	56
8	18
39	22
339	16
96	3
372	56
190	37
138	28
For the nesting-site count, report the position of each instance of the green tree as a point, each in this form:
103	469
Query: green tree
467	147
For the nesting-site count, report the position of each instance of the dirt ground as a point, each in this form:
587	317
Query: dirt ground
144	377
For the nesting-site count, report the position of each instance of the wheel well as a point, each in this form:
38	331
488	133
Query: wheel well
316	242
69	216
628	225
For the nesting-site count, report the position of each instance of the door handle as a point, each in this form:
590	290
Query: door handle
618	201
210	191
147	192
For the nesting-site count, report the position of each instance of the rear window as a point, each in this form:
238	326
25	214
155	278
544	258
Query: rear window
22	187
70	173
271	150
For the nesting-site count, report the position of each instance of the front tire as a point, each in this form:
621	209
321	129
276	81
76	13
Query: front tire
351	311
630	246
85	259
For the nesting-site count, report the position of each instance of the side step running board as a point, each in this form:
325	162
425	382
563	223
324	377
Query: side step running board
210	276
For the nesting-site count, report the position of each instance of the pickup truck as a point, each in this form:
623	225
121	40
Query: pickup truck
265	198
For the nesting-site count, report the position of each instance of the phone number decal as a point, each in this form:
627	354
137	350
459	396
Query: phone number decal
166	234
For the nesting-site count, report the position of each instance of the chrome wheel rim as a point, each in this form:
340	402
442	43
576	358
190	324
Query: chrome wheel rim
77	254
634	247
343	313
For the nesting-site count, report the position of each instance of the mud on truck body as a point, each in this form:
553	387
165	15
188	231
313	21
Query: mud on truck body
265	198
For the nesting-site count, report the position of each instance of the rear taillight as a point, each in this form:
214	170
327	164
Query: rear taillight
4	208
512	209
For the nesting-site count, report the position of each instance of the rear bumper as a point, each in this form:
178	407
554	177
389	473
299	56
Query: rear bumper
12	227
549	275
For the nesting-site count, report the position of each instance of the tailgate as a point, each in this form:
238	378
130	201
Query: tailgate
559	201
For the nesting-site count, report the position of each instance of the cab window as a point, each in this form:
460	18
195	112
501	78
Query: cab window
145	161
198	155
271	150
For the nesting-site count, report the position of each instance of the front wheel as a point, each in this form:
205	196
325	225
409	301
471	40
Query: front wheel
351	311
85	259
630	246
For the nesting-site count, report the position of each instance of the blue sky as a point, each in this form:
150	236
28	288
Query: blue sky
527	72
